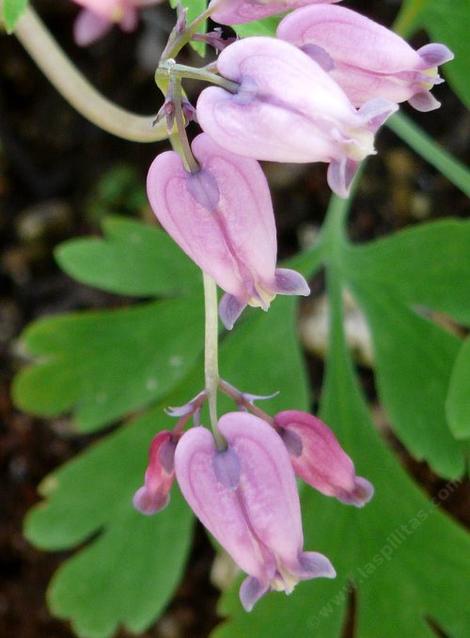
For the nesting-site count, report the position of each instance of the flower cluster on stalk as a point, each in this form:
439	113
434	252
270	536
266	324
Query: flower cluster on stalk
317	92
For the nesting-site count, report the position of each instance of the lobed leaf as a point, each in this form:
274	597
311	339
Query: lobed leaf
103	365
133	259
127	574
403	558
458	398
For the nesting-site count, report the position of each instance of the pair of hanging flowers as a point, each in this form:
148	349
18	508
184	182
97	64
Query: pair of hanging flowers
317	92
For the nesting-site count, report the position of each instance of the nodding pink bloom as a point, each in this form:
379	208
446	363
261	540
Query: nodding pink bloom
366	59
241	11
288	109
319	460
153	496
222	217
99	16
246	496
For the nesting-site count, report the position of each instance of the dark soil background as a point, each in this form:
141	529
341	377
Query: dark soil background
58	176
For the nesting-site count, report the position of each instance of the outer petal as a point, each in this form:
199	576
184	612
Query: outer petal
240	11
222	217
273	116
369	59
268	490
217	506
319	460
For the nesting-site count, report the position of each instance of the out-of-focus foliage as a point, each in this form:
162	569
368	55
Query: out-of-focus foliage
445	21
12	12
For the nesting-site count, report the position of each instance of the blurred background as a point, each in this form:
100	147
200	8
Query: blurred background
60	176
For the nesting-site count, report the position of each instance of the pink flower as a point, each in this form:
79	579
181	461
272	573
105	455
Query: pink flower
319	460
366	59
240	11
288	109
153	496
99	16
222	217
247	498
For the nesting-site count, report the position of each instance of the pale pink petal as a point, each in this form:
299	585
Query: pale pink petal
90	27
218	507
369	59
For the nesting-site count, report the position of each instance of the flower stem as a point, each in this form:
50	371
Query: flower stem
180	139
203	74
211	360
178	40
74	87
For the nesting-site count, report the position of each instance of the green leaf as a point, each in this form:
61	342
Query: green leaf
425	265
456	172
447	21
103	365
458	399
266	27
414	360
404	558
129	572
12	12
133	259
398	281
263	356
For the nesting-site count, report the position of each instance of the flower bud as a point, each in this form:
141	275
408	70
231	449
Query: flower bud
241	11
366	59
153	496
288	109
319	460
246	496
222	217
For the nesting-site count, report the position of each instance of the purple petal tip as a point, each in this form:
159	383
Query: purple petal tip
315	565
148	504
251	591
290	282
424	102
435	54
361	494
230	308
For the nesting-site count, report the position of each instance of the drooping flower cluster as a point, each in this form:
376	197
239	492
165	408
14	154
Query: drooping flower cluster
318	92
245	492
98	17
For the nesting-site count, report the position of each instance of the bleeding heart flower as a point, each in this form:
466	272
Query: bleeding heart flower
366	59
288	109
246	496
222	217
319	460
